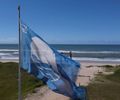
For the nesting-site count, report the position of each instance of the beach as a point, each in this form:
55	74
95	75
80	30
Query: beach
86	74
69	46
89	57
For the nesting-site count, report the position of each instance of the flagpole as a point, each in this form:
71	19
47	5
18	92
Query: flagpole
19	70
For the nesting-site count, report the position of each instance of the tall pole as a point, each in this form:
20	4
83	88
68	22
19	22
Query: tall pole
19	70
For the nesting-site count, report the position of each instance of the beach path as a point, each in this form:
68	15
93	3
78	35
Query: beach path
43	93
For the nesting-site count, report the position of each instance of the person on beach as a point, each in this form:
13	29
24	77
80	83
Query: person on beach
70	54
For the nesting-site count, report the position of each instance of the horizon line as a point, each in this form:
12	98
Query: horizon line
70	43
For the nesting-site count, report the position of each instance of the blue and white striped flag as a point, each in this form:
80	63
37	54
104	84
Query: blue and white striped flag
56	70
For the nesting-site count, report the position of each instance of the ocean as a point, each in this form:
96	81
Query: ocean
79	52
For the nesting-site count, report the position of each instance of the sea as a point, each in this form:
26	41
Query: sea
82	52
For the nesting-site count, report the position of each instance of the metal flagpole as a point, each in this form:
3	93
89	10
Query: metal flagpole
19	70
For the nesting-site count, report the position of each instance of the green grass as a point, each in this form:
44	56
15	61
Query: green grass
9	82
115	77
105	87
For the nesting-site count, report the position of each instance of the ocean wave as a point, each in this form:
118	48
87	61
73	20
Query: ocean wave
9	58
16	51
96	59
8	50
77	55
5	54
94	52
74	58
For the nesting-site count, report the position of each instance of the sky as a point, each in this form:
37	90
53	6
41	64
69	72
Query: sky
63	21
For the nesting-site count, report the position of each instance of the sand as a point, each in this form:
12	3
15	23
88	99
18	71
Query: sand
86	74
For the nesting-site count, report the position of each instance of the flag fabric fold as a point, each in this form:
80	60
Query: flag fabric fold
44	62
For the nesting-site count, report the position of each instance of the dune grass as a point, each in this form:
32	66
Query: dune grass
105	87
9	82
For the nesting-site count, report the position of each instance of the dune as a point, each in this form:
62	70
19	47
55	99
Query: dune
86	73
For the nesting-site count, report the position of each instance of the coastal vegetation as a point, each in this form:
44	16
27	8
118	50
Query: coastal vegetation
105	87
9	82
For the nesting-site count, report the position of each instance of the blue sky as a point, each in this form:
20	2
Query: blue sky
63	21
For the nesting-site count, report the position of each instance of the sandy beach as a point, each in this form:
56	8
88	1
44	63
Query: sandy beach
86	73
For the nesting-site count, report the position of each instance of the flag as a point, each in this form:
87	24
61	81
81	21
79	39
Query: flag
44	62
